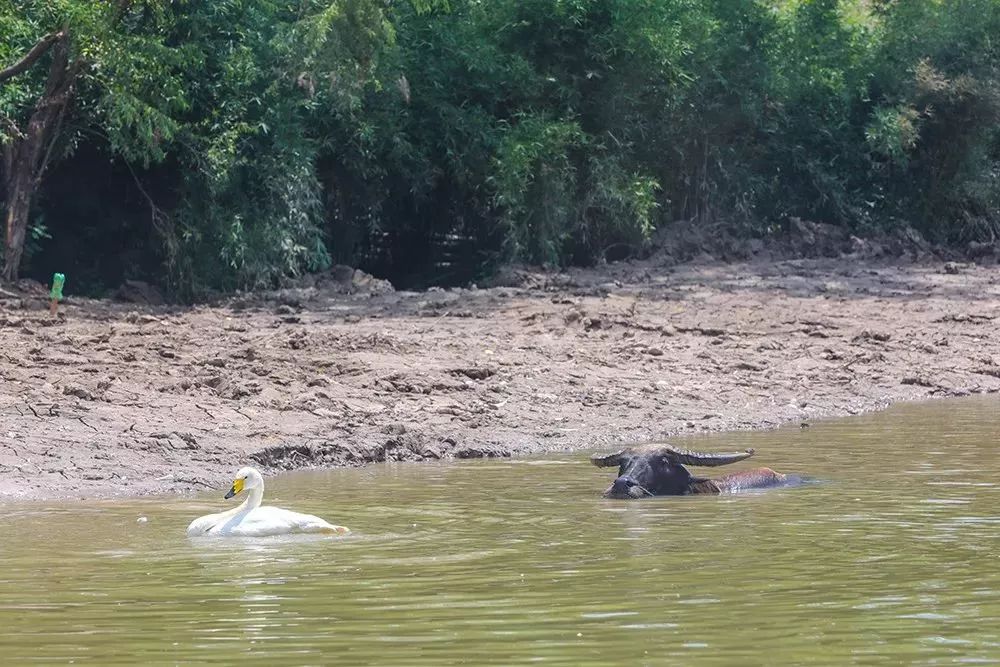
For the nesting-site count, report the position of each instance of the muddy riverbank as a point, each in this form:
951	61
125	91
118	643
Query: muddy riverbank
116	399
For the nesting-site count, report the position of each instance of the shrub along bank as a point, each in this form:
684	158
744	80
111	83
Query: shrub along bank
226	144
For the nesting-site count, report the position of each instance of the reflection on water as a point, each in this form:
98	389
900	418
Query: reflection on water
892	557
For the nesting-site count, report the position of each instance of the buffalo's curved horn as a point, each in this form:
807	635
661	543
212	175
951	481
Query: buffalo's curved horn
686	457
607	460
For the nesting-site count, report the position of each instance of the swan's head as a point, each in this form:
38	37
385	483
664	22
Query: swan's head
246	478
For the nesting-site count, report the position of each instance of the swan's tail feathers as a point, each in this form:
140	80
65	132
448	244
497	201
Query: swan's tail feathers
336	530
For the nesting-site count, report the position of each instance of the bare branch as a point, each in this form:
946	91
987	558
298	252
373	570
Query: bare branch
53	136
70	73
36	52
160	220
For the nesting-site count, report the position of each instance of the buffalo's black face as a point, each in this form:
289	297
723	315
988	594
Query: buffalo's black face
641	475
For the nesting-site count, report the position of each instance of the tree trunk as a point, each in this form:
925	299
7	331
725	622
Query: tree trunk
27	153
19	196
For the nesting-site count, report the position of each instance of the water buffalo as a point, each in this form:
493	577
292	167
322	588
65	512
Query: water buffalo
658	470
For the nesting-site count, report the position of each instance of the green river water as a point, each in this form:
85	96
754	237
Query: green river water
891	558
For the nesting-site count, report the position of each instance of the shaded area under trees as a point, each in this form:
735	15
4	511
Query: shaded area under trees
224	145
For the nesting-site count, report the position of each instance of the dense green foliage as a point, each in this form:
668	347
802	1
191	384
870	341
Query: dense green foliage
237	141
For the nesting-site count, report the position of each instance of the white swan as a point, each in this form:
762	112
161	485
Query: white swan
249	519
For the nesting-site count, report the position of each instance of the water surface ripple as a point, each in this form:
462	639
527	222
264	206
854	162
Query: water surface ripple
891	557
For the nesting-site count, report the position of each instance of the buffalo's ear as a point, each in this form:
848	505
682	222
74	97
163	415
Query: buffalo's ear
690	458
608	460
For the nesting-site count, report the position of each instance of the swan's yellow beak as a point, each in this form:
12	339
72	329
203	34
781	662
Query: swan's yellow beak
236	488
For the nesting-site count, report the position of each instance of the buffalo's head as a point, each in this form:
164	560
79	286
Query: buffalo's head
657	469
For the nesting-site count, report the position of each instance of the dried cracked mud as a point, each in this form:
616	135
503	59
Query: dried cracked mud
111	399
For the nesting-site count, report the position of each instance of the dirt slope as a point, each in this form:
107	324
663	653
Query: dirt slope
114	399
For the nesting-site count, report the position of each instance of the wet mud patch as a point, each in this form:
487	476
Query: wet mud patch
396	445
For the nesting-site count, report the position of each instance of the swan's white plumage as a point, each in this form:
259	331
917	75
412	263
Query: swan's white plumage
249	519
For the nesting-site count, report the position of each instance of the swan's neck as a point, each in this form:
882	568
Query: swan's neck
253	499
